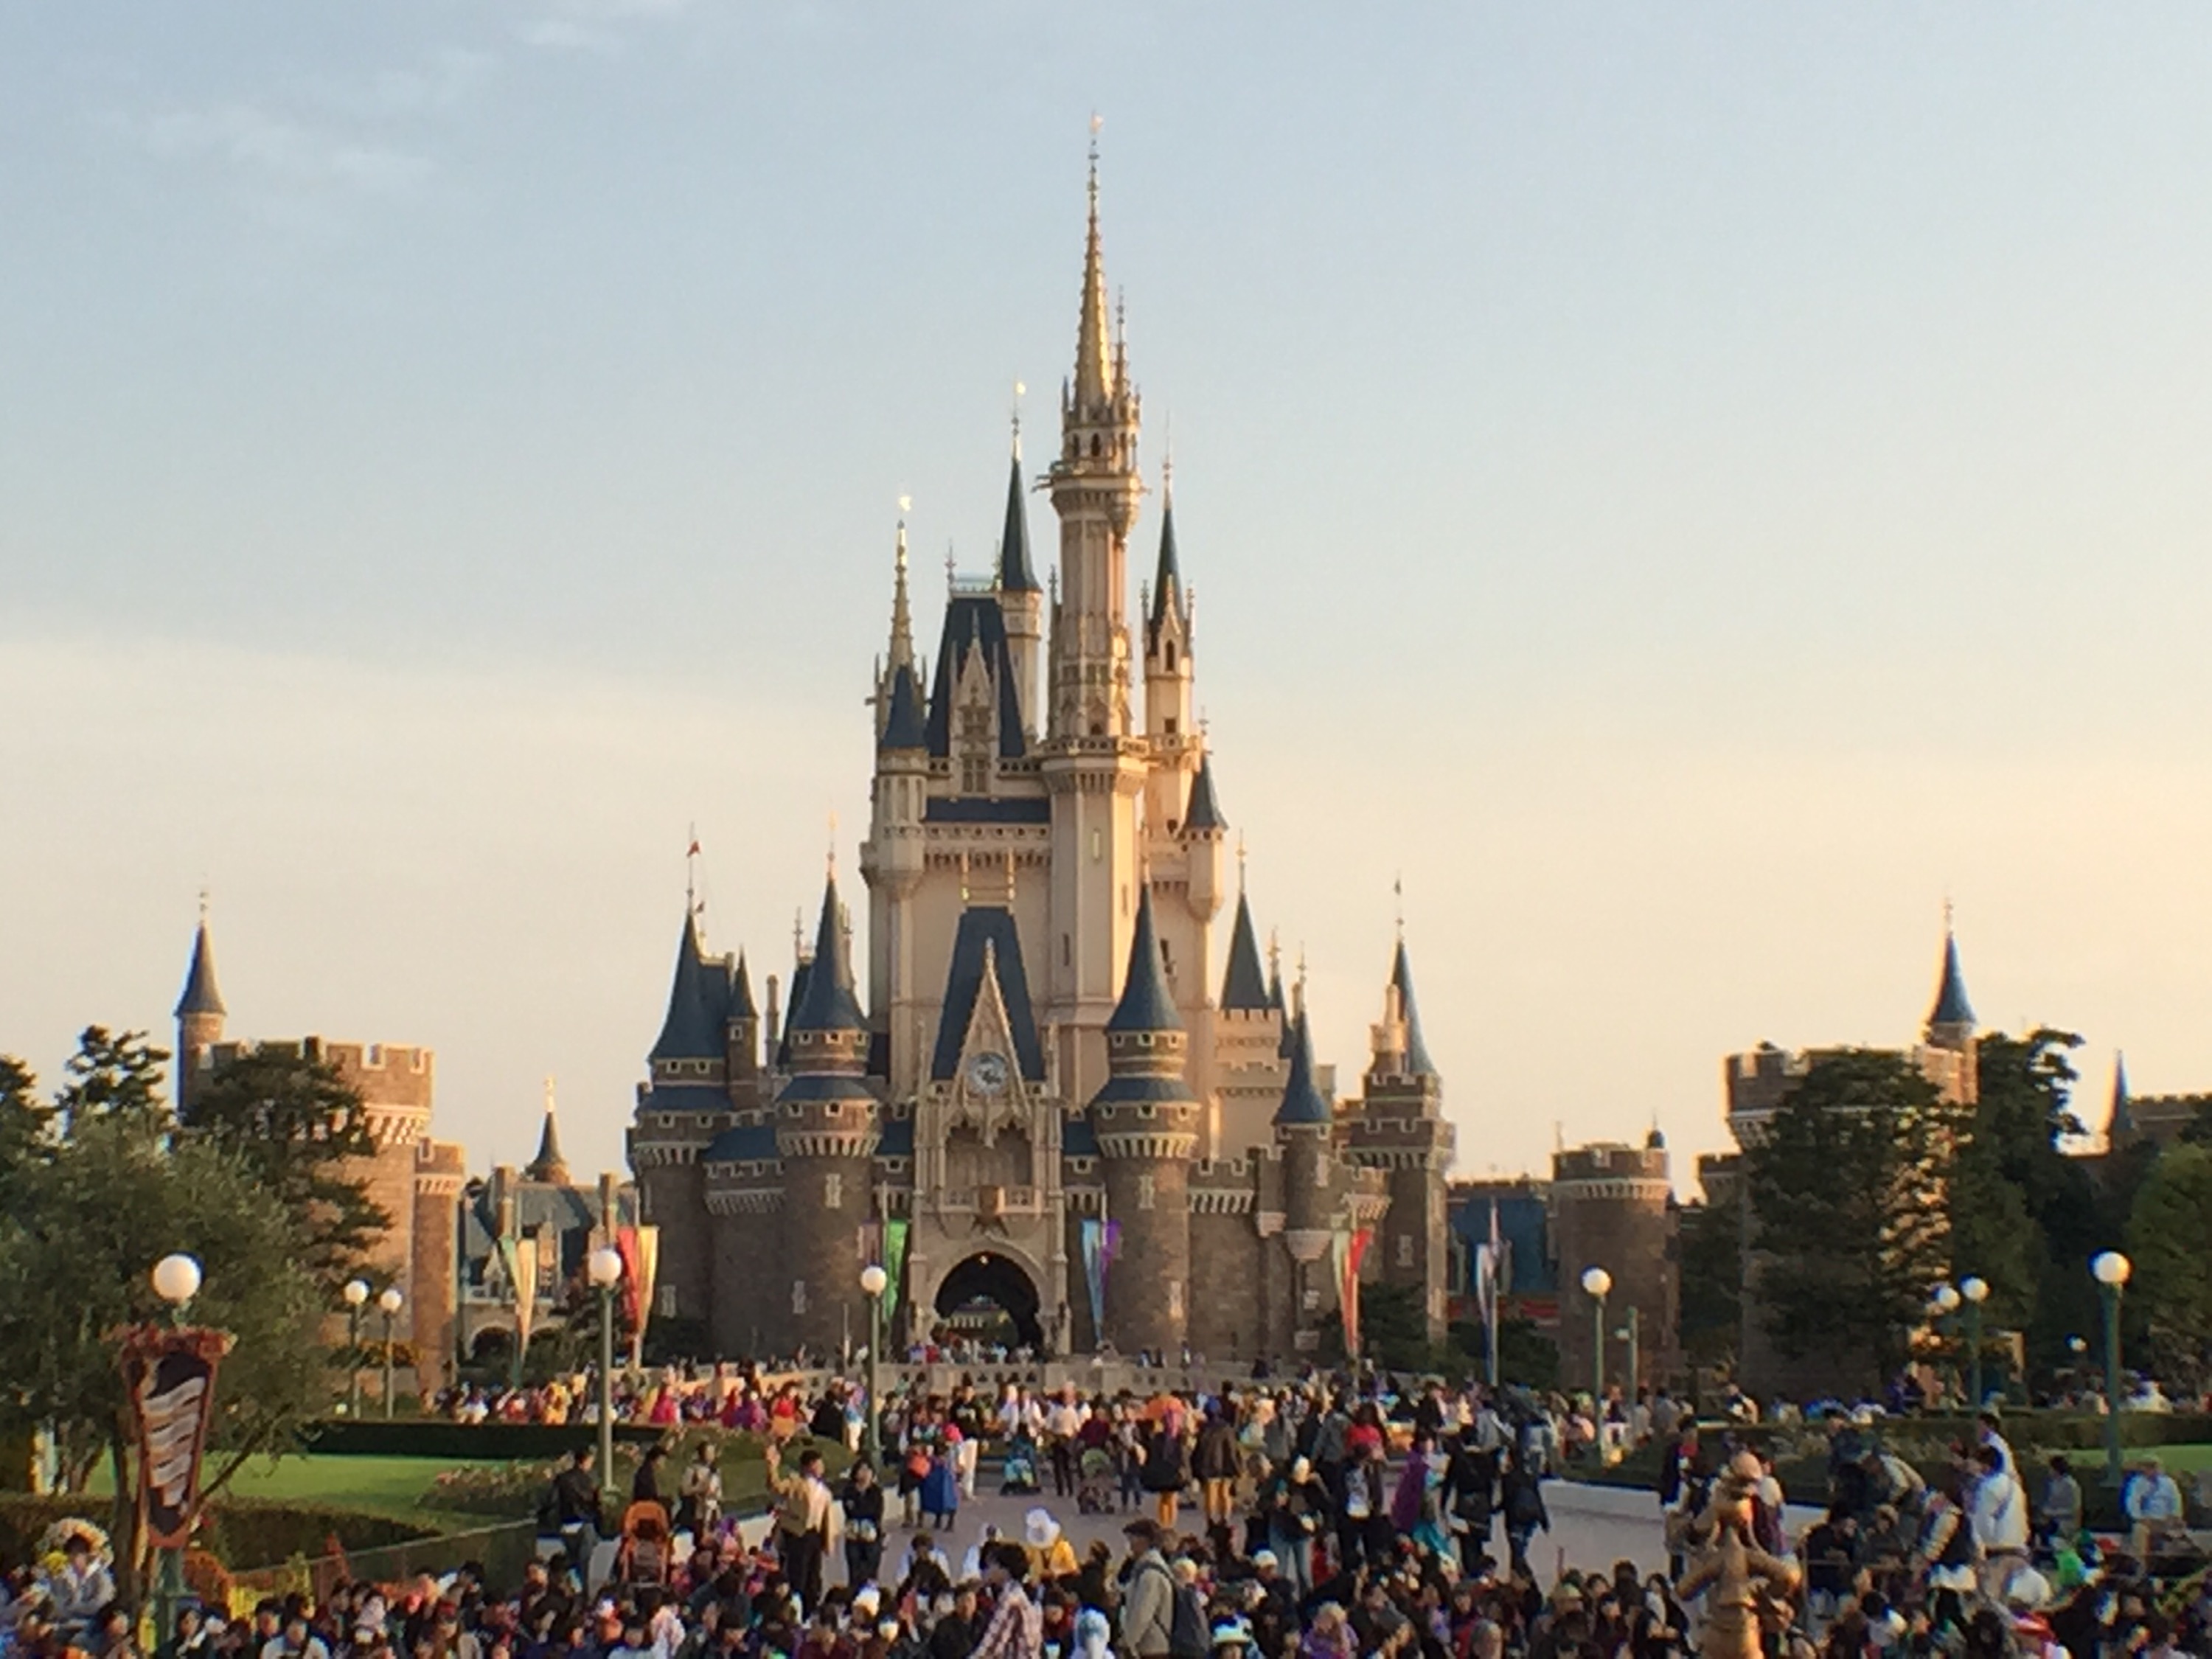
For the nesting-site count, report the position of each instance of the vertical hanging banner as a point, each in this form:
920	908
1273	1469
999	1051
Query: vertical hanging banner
521	1255
1346	1251
894	1259
169	1376
642	1259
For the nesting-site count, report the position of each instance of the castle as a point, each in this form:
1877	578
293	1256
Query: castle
1056	1098
415	1180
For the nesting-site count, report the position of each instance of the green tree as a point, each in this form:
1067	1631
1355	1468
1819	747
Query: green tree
2166	1235
26	1124
1711	1238
1850	1222
303	1133
114	1192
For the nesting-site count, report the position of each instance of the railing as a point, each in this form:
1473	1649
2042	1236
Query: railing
502	1551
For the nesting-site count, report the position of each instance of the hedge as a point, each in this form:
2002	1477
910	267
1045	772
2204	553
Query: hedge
461	1442
237	1532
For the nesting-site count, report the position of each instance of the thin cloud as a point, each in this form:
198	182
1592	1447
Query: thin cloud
272	151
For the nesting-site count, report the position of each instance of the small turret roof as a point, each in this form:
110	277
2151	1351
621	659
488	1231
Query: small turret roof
904	726
691	1030
974	621
2122	1121
986	930
1167	577
548	1166
1015	575
200	995
1302	1106
1204	811
1244	985
1145	1004
1951	1007
828	1003
1417	1063
741	991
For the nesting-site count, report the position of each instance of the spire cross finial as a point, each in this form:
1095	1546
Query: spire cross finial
549	1094
1398	890
203	906
833	842
1275	951
951	567
691	874
1019	389
1166	463
1946	913
798	932
1097	122
1240	864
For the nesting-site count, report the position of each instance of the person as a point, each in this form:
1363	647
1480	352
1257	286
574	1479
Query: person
645	1484
699	1507
574	1505
2155	1510
940	1482
1148	1597
1187	1625
1051	1556
1522	1499
803	1520
862	1501
2059	1505
82	1588
1166	1471
1017	1626
1364	1532
1215	1462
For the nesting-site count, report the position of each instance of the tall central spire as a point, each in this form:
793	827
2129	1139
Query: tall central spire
1092	342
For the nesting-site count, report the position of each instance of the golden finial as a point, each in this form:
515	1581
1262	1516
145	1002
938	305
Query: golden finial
1398	889
549	1094
203	906
1240	863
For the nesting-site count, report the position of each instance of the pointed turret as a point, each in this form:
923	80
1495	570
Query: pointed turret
905	727
2120	1125
1951	1021
1203	815
1168	595
201	998
1303	1107
828	1003
689	1032
741	991
548	1166
1093	365
1244	986
1145	1004
1417	1063
1015	574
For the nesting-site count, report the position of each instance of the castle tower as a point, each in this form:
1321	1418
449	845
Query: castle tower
827	1128
893	859
1169	727
1613	1206
1951	1020
901	654
1401	1130
2120	1119
548	1166
1146	1123
677	1111
1093	764
1305	1127
199	1013
1020	599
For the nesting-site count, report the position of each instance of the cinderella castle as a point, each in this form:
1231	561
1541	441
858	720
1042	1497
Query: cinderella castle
1059	1096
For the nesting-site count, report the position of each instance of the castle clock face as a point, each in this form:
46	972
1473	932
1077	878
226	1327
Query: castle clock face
986	1073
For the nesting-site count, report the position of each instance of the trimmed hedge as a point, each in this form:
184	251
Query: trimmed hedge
462	1443
236	1532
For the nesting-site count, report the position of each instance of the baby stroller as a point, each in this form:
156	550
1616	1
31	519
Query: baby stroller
1097	1489
646	1554
1019	1475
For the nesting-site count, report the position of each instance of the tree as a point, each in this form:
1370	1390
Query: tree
26	1123
2166	1236
1711	1239
303	1133
1848	1220
82	1226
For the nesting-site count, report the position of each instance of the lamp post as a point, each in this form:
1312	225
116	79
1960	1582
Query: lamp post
1595	1283
176	1280
356	1298
2110	1270
388	1305
875	1281
1976	1292
605	1270
1942	1303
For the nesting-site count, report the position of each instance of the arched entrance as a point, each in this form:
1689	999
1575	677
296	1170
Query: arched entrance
989	1298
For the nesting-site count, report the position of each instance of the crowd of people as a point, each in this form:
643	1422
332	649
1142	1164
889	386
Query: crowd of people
1313	1519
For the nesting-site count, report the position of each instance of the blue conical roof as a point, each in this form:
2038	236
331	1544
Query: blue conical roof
1167	579
828	1003
690	1031
1303	1105
741	991
200	995
1282	1011
1015	575
1952	1007
1146	1005
1204	811
1244	985
1417	1063
2123	1119
904	726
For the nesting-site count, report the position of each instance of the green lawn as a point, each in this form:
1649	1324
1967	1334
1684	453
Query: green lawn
382	1486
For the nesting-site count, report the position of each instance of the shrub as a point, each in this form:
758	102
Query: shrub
240	1531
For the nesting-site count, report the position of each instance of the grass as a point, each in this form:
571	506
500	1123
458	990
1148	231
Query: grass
390	1487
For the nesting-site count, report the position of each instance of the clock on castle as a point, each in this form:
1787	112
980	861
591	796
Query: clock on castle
1057	1096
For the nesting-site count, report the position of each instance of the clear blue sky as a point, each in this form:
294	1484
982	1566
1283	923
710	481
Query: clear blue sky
1689	488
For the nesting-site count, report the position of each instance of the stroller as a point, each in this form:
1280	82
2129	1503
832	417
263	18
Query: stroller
1097	1487
647	1553
1018	1477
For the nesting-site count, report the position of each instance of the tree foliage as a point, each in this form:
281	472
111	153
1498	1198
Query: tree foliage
1712	1283
302	1131
1847	1186
2166	1238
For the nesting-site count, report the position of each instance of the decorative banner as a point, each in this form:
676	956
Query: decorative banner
645	1268
170	1378
521	1257
1094	1276
894	1259
1348	1251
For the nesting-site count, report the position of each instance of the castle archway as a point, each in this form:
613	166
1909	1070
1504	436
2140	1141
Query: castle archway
987	1293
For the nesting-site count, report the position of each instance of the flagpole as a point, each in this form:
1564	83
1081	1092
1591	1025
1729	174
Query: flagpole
1490	1299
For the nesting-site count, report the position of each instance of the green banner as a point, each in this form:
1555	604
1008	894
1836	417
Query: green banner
894	1234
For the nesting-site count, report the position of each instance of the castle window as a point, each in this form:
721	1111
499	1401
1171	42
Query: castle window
1145	1191
833	1192
1171	719
1094	443
1171	656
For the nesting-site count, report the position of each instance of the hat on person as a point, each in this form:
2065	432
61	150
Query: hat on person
1265	1558
867	1599
1301	1468
1232	1633
1039	1530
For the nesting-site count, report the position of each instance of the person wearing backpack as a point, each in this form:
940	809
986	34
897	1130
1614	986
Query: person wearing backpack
1190	1634
1148	1596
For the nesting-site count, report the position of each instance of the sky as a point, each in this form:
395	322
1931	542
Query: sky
1689	491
